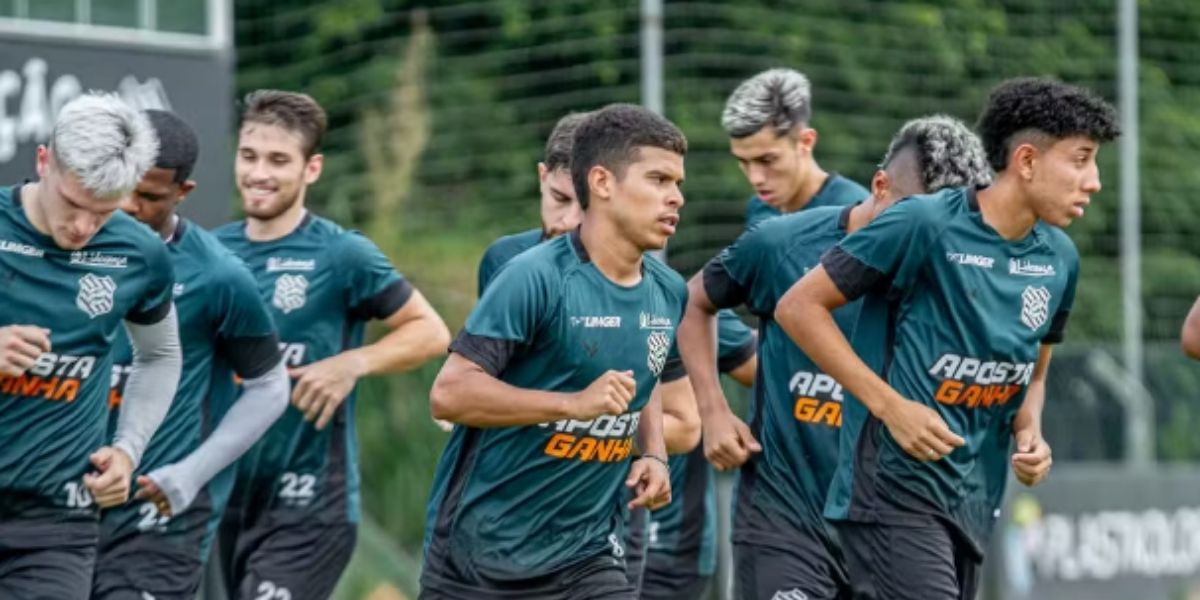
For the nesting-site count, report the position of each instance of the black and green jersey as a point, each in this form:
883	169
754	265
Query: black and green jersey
224	329
322	283
796	413
515	503
503	250
54	416
967	312
836	191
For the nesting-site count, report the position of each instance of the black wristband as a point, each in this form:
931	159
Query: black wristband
658	458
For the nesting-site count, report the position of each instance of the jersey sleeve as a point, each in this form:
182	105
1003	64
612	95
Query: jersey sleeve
374	289
246	336
746	267
1058	325
488	265
508	317
736	343
156	301
887	253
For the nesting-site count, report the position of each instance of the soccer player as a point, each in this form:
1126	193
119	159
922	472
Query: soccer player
976	285
551	380
296	497
75	270
781	541
767	119
157	547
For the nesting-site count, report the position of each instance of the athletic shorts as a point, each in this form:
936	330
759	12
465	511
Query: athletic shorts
901	562
763	572
61	573
597	578
665	586
284	560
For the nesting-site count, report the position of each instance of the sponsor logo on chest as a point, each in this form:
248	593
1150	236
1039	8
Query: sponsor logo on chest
22	249
592	322
1029	269
971	260
276	264
98	260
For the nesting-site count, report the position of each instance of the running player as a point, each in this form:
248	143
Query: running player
294	513
75	270
781	542
551	380
767	119
156	548
979	284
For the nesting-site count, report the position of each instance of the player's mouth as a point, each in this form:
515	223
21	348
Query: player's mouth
258	193
764	195
1077	209
668	223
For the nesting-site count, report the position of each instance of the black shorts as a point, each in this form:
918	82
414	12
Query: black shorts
901	562
767	572
598	578
665	586
635	546
284	559
137	566
61	573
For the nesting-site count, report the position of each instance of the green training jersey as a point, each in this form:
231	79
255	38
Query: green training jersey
835	191
54	415
321	283
224	329
515	503
966	313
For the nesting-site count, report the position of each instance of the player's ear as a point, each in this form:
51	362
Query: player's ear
600	183
542	172
806	138
1024	158
185	188
312	168
43	161
881	185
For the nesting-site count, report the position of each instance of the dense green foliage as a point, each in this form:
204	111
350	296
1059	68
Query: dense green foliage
498	74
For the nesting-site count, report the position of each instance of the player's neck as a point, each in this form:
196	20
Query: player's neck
861	215
267	230
811	186
31	204
168	229
615	256
1005	209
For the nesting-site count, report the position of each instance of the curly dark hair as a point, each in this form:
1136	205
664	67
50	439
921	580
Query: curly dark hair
611	137
1051	108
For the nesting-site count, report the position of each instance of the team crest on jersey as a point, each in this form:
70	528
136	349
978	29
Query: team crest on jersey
1035	306
95	294
658	343
290	292
793	594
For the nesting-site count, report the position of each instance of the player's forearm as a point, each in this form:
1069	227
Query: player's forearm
153	380
681	422
812	327
650	428
1030	413
476	399
408	346
262	401
697	340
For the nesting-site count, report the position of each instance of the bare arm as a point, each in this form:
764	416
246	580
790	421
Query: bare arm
681	421
745	372
417	335
466	394
806	313
728	441
1031	461
1189	338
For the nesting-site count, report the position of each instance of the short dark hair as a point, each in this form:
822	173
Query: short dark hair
177	145
612	136
1042	106
293	111
562	137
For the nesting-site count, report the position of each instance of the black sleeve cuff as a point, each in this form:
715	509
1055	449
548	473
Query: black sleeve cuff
673	370
852	277
737	358
723	291
251	357
384	304
491	354
150	316
1058	328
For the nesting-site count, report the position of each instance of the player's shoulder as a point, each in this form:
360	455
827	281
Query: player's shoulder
222	264
668	278
843	190
1057	239
124	230
230	232
505	248
933	209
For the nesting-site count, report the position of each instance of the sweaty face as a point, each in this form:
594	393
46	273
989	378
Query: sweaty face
560	210
773	164
155	199
271	170
646	201
72	213
1064	176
